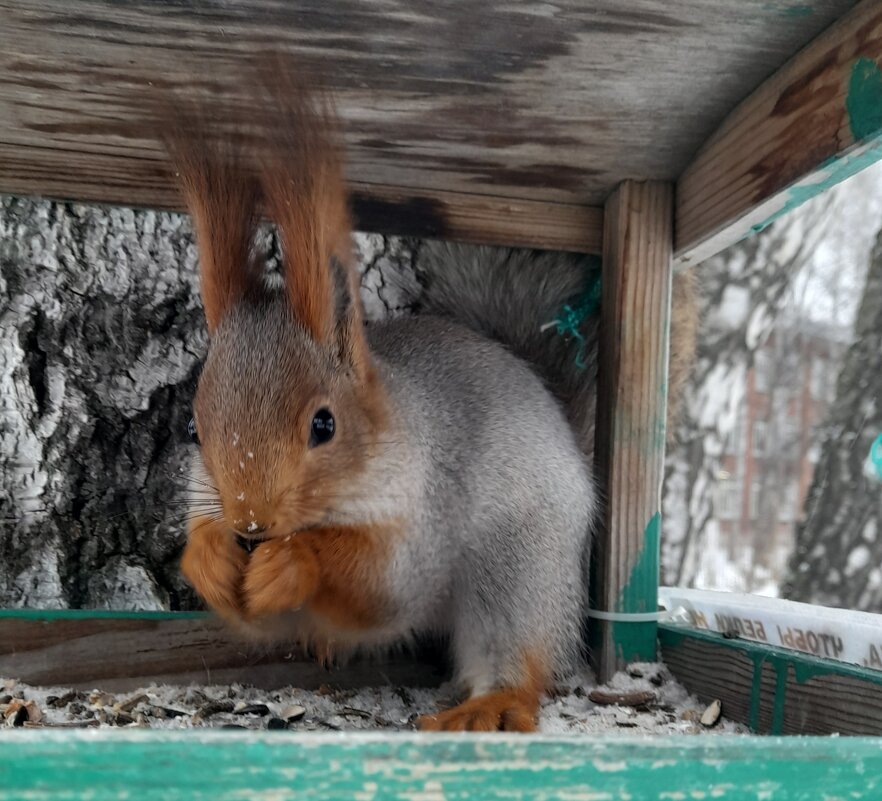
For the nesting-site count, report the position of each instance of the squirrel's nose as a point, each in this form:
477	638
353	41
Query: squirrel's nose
252	529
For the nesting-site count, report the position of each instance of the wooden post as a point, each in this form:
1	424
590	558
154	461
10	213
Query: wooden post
631	405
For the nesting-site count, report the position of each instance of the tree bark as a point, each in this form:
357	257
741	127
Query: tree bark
838	548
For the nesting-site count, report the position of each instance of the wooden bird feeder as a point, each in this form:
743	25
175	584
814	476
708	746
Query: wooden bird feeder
653	133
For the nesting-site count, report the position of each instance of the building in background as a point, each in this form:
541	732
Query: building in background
768	460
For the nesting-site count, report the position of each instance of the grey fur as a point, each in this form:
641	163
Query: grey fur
509	295
480	462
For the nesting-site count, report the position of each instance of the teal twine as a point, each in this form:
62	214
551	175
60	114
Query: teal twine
571	317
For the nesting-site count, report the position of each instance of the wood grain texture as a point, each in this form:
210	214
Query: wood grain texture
121	653
631	415
278	766
802	131
517	101
772	690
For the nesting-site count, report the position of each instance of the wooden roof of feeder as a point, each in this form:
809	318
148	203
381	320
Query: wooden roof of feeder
481	121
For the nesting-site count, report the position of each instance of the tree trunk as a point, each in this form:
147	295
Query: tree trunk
838	548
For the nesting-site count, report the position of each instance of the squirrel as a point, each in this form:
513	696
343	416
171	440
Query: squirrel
420	475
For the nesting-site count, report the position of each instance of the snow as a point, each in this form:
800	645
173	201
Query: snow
858	559
567	711
733	309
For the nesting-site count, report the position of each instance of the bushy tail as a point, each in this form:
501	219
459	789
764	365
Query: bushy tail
545	307
542	306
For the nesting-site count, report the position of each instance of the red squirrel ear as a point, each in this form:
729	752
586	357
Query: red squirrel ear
222	197
302	178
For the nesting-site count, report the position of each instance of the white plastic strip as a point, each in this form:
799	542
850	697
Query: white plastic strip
840	634
627	617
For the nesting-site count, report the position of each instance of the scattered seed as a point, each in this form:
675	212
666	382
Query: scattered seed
253	709
613	698
711	715
626	724
233	726
163	712
351	711
657	680
19	712
213	708
276	724
129	704
100	699
62	701
634	673
293	713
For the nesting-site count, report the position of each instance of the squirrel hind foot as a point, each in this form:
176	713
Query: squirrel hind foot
505	710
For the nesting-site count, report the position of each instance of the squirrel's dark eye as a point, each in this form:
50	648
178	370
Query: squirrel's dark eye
322	429
192	432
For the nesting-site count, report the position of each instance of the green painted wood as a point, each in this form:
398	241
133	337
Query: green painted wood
632	383
51	615
222	766
805	666
771	689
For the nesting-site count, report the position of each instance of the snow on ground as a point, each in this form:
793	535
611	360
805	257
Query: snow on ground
651	702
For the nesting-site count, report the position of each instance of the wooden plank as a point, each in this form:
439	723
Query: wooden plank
631	412
774	690
812	124
525	103
378	208
184	765
123	651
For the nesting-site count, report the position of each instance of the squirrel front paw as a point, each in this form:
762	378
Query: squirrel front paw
213	563
281	576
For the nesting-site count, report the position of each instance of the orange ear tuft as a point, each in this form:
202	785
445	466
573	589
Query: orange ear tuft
222	198
302	177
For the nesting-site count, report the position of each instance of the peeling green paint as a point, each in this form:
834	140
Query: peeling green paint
864	100
51	615
780	701
799	666
113	764
637	642
789	11
756	686
828	174
798	11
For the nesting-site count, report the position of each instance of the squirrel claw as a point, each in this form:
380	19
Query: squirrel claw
505	710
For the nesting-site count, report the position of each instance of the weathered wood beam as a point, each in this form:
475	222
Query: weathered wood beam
119	651
815	122
378	208
631	411
773	690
